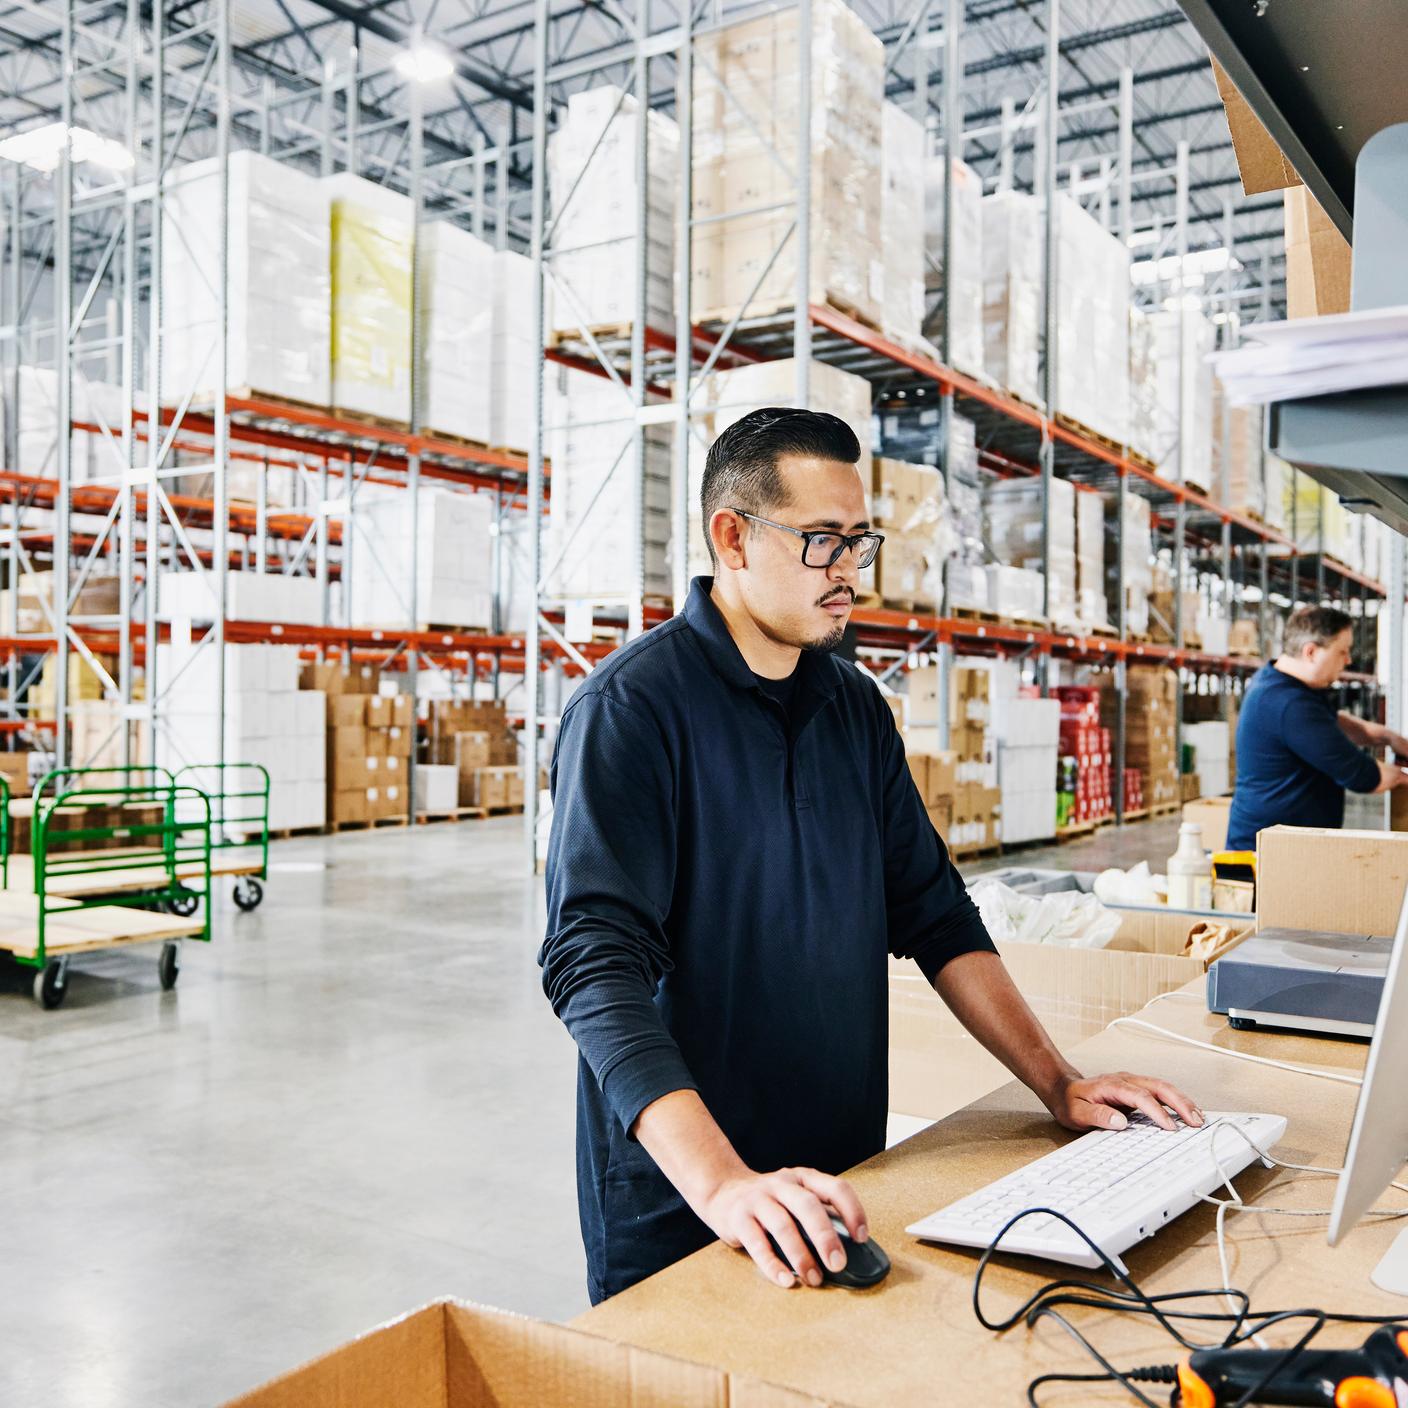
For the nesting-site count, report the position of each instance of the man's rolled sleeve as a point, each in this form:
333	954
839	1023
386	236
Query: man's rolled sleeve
931	918
610	871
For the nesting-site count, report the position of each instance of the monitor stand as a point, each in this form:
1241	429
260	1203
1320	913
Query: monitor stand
1391	1274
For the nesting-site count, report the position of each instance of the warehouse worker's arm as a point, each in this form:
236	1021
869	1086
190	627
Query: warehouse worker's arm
981	993
1366	734
610	874
1313	736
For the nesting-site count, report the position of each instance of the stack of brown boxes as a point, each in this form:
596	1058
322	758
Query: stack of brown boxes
977	822
936	777
473	736
1150	720
369	742
906	506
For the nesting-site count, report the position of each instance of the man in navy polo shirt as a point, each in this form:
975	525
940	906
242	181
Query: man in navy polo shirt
1296	754
737	847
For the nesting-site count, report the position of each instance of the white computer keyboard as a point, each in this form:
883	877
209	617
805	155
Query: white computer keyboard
1118	1186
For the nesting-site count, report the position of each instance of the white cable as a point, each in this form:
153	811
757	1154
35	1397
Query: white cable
1236	1055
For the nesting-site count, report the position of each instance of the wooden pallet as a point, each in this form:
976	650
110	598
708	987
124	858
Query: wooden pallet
1138	814
1075	831
379	821
969	613
779	307
288	833
277	398
372	422
1166	809
465	442
968	852
1071	423
455	814
602	332
1142	460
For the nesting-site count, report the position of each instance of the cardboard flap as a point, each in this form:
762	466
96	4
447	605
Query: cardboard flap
1260	162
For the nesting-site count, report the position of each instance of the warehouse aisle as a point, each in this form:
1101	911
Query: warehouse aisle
355	1101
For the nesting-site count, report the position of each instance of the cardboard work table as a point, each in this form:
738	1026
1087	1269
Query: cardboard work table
914	1338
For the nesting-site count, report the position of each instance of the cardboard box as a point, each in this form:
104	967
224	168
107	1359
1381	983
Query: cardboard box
454	1355
347	710
348	804
379	711
1262	164
1212	814
941	816
490	788
1347	882
934	775
402	711
936	1066
466	751
399	741
333	677
15	767
1318	261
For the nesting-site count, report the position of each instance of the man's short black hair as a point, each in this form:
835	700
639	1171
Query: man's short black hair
1317	625
741	471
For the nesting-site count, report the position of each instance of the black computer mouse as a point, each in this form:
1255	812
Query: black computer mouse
866	1262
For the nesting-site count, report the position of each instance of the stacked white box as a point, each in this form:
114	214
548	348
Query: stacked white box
95	403
1092	606
1028	739
457	321
449	539
747	136
372	235
902	226
592	534
515	357
249	596
1092	323
1015	518
1012	273
967	281
437	788
1019	592
268	721
279	290
1143	386
592	160
1211	756
1183	444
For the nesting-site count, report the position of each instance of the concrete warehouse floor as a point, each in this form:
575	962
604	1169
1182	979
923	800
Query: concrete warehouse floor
355	1101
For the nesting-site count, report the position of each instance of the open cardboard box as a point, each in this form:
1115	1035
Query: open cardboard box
936	1067
454	1355
1341	882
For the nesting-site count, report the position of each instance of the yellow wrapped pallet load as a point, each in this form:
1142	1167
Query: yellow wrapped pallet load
371	299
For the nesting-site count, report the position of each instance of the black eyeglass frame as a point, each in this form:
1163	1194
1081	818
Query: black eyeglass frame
847	540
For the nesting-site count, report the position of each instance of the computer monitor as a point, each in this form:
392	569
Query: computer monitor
1378	1139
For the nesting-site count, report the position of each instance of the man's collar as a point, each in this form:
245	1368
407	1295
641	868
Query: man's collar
814	669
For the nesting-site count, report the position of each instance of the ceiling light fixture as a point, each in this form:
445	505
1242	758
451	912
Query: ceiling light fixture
42	148
424	63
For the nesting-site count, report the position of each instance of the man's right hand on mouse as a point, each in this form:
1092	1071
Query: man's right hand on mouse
745	1208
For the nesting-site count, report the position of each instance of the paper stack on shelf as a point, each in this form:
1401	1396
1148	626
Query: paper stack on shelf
94	403
515	358
594	199
279	281
1014	519
1183	443
449	541
1012	271
747	124
457	323
966	327
902	226
1317	356
1137	546
1092	323
269	720
1092	606
371	297
592	533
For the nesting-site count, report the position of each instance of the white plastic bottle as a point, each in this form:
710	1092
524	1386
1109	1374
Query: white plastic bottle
1190	871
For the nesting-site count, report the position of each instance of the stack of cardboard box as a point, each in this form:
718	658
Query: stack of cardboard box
977	821
1150	724
936	776
473	737
907	506
369	741
1086	740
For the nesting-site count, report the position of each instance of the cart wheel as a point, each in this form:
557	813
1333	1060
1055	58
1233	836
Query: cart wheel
168	966
184	905
51	984
248	893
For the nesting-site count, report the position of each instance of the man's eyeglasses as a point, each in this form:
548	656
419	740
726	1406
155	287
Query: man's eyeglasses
823	548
